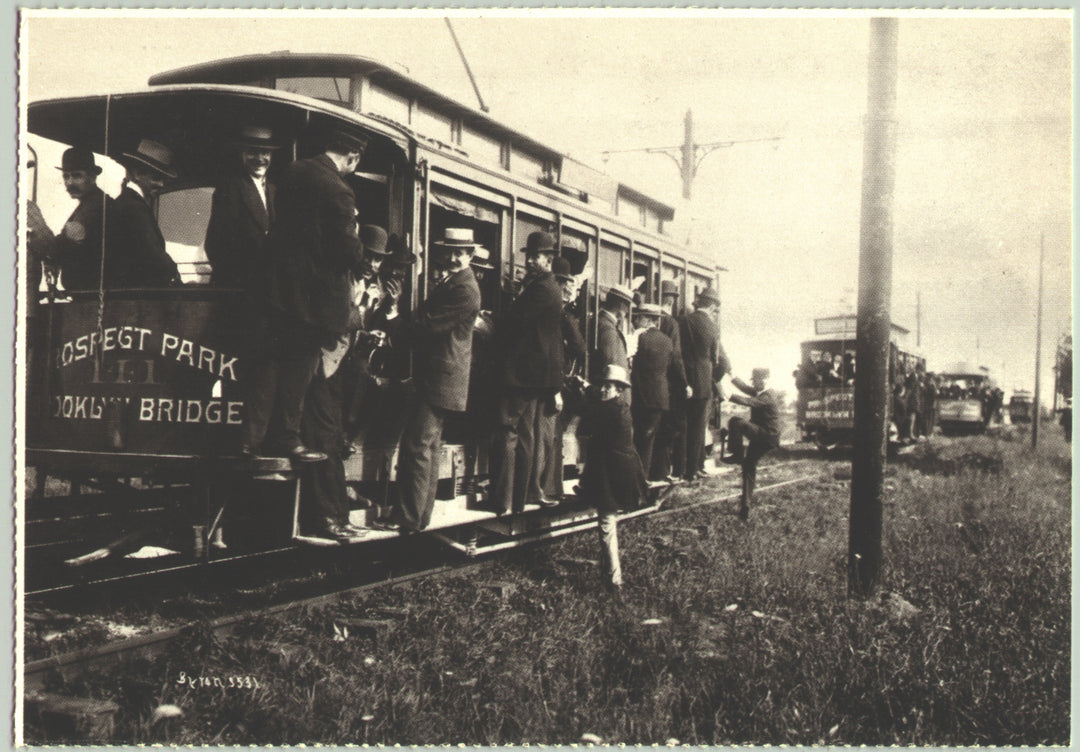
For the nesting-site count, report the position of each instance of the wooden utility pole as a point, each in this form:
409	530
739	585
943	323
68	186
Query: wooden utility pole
874	322
1038	347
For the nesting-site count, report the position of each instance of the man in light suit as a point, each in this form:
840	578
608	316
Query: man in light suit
135	254
529	338
706	363
441	335
655	374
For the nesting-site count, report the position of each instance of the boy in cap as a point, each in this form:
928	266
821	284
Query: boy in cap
762	431
78	247
613	478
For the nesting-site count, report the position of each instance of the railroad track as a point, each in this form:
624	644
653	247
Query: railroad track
72	664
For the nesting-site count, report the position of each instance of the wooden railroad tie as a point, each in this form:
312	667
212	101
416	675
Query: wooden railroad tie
378	630
72	719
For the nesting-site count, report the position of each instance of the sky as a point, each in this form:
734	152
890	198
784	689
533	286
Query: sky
983	158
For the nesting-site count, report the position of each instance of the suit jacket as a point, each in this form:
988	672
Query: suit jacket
669	325
78	246
531	336
135	253
704	358
442	340
655	374
610	348
573	342
314	242
613	477
237	232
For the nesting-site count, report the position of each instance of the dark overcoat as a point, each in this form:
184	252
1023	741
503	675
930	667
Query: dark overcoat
314	242
655	373
704	358
442	339
610	348
669	325
135	254
613	478
530	337
237	233
78	246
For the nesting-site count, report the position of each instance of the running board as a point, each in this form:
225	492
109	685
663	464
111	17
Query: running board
576	523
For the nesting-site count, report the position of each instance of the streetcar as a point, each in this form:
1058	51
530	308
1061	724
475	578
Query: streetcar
135	393
966	399
1020	406
825	379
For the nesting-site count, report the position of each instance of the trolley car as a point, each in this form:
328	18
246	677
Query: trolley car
965	397
1020	406
135	392
825	379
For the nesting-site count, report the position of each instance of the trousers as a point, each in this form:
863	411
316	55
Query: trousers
517	451
322	489
696	414
418	463
609	548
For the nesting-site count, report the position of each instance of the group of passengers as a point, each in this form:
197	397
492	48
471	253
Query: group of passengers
321	296
826	369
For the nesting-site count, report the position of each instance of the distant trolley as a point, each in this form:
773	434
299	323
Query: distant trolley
966	399
825	379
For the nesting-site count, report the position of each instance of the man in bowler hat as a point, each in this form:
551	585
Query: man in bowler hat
135	254
77	250
313	245
530	342
706	363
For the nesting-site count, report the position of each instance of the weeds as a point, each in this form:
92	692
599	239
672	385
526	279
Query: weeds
729	633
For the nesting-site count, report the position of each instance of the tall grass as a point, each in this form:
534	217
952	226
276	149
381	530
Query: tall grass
729	632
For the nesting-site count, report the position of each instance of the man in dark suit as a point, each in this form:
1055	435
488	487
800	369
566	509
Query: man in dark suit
135	254
574	360
242	211
706	363
77	249
762	431
313	244
655	374
669	451
441	335
610	347
530	342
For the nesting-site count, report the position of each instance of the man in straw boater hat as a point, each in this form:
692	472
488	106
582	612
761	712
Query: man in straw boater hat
656	373
135	254
529	340
762	431
77	249
441	335
610	333
612	479
669	450
242	211
706	363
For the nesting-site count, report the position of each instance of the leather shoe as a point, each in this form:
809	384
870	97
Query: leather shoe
548	503
336	531
357	532
301	453
388	525
701	475
732	459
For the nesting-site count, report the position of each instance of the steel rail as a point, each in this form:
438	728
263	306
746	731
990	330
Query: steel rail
35	673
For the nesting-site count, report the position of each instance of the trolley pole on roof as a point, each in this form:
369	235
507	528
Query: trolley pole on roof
872	343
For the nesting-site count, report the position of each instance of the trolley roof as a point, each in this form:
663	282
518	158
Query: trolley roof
263	69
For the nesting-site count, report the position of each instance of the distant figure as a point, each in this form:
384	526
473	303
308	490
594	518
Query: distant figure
762	431
613	478
77	248
1066	419
930	397
610	347
135	254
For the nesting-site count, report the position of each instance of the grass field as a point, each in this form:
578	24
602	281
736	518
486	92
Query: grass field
728	632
